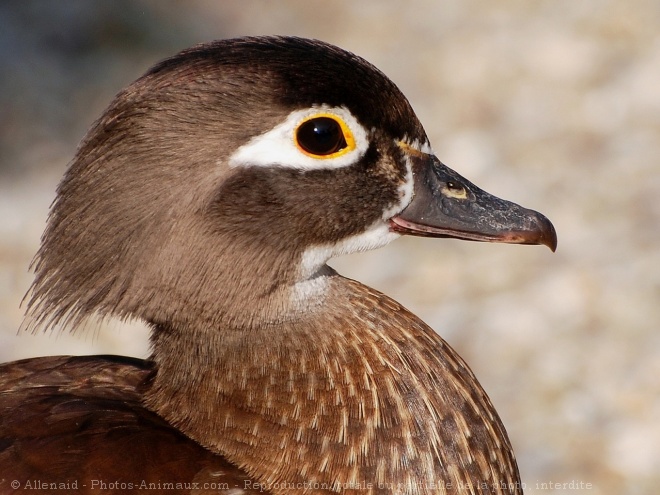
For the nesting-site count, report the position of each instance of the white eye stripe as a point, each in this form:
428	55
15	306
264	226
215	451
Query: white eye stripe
277	147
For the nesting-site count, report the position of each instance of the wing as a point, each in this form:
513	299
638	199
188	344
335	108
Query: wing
77	424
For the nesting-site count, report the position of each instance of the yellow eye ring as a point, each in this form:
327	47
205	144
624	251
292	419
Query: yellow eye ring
323	135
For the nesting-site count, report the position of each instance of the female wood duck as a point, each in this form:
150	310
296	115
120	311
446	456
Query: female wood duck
206	201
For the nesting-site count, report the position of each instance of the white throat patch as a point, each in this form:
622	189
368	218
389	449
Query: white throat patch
311	288
313	258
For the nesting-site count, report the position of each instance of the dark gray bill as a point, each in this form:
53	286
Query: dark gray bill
445	204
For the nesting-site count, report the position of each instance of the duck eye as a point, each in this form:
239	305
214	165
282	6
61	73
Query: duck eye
323	136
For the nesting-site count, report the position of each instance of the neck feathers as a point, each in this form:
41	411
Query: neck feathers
355	391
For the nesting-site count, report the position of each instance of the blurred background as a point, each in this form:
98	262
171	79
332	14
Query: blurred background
554	104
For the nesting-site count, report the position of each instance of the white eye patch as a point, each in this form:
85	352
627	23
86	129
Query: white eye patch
281	146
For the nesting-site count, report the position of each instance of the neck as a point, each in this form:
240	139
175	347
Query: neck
354	391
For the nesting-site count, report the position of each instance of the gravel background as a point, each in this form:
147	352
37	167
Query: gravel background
554	104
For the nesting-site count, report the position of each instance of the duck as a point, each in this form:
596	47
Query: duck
206	201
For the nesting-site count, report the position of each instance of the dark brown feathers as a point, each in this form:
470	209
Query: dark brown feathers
77	425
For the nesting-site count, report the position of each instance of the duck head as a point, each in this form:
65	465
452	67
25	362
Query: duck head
229	174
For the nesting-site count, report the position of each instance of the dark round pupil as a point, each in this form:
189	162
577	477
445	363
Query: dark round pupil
321	136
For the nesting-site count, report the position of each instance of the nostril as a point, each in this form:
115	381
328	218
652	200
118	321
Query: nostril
454	190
